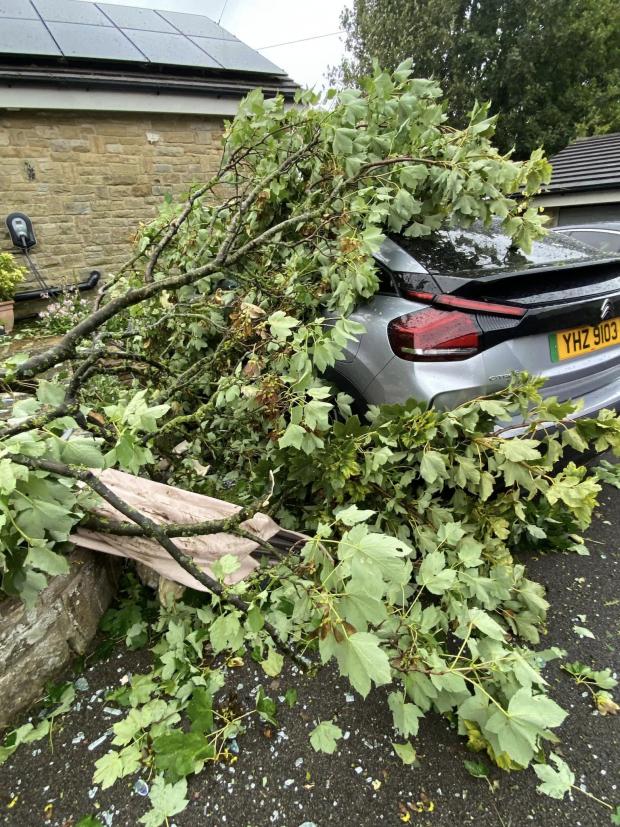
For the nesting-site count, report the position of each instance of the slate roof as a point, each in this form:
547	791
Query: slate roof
44	40
587	164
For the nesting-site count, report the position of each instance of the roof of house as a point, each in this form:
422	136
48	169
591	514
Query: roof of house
68	40
587	164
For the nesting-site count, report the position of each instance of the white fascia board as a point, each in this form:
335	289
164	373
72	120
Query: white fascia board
575	199
100	100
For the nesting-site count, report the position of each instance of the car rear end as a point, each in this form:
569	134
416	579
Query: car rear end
459	313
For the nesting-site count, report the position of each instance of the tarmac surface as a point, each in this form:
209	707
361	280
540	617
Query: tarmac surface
279	780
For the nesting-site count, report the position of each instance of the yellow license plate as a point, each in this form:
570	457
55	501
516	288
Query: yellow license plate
566	344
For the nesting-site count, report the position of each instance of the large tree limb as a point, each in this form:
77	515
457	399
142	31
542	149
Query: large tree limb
156	532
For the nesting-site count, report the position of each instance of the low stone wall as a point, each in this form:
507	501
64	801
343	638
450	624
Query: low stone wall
36	643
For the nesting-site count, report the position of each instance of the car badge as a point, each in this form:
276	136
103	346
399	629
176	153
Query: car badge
606	310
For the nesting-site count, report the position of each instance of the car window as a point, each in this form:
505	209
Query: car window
601	239
480	249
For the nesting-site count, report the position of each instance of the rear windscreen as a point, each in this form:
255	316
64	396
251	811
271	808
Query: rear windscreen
481	250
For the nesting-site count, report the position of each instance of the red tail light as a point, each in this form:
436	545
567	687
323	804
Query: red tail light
433	335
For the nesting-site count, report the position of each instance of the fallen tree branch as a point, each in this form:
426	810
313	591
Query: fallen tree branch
156	532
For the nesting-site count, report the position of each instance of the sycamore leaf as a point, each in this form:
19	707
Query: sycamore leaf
166	800
225	565
281	325
324	737
555	783
50	393
352	515
406	716
180	753
364	661
44	559
485	623
273	663
520	450
433	467
405	752
226	632
434	575
292	437
114	765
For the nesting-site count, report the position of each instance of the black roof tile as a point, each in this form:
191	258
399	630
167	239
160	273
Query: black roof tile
587	164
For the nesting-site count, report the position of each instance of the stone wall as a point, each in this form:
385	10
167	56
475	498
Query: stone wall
36	643
87	179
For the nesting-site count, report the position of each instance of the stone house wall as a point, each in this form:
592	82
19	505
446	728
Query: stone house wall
87	179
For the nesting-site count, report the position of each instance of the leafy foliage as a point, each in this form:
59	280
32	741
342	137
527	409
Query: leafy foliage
590	678
409	579
555	782
550	69
11	274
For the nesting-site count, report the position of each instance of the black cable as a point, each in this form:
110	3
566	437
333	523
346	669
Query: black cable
35	271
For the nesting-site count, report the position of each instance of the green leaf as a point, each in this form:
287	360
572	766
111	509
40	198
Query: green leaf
114	765
281	325
178	753
265	706
10	473
81	451
476	769
292	437
363	660
200	710
166	800
352	515
50	393
226	633
485	623
290	697
405	752
273	663
434	575
89	821
343	143
324	737
555	783
255	620
433	467
44	559
535	709
406	716
316	414
225	565
519	728
520	450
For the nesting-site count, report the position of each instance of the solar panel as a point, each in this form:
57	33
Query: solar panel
32	36
196	25
17	8
233	54
103	31
105	43
71	11
175	49
126	17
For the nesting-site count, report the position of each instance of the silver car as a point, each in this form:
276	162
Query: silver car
459	311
